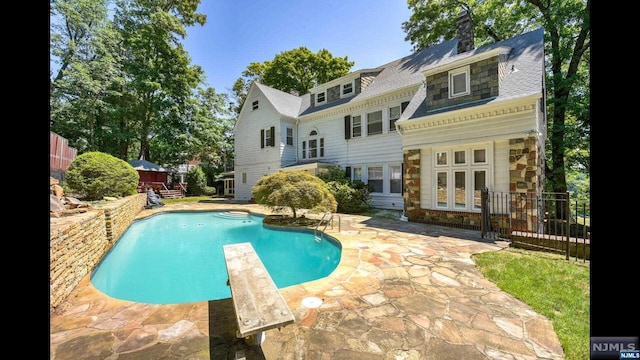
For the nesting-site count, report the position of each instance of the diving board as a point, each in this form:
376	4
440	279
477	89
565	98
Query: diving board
258	304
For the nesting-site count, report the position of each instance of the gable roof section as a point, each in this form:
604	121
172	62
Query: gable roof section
397	74
284	103
526	56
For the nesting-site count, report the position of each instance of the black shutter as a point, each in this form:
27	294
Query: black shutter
262	139
273	136
347	172
347	127
403	106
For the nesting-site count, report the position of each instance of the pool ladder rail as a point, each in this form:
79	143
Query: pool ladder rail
330	220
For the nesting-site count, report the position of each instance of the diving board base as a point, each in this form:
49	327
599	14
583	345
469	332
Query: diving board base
257	302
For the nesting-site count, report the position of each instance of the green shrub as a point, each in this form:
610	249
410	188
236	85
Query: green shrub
95	175
352	197
296	190
196	182
209	191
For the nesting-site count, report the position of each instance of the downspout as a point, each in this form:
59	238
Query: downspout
297	136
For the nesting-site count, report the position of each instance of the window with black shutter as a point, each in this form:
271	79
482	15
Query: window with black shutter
273	136
347	127
262	139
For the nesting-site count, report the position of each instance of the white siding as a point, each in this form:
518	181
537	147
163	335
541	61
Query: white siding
376	150
490	128
287	152
250	158
426	180
501	177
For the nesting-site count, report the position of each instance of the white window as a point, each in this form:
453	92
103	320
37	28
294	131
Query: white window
346	89
394	114
267	136
374	177
316	146
441	158
356	126
289	136
254	105
374	123
395	179
479	184
459	157
479	156
356	173
458	182
313	148
459	82
442	197
320	98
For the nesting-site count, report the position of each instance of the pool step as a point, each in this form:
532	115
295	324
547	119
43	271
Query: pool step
232	214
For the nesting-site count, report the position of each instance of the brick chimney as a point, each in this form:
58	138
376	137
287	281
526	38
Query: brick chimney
465	32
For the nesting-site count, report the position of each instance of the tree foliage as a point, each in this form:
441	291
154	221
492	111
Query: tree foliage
96	174
294	71
567	46
197	181
296	190
123	83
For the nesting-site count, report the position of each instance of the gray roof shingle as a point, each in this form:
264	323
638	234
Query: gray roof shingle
526	55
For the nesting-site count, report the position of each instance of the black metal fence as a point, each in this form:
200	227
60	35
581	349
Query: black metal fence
543	221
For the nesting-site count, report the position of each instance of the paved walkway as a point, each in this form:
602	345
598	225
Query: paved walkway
401	291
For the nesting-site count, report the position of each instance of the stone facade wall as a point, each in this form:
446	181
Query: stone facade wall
525	177
333	93
523	164
411	193
483	81
78	242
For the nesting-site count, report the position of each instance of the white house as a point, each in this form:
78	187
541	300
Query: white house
428	130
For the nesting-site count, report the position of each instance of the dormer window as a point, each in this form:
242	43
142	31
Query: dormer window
346	89
459	82
321	98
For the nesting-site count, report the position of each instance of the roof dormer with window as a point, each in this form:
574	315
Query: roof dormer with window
470	79
344	87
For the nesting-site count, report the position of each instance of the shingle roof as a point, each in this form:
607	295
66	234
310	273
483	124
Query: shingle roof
526	56
285	103
527	51
145	165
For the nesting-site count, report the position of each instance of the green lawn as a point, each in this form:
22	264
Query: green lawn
187	199
553	286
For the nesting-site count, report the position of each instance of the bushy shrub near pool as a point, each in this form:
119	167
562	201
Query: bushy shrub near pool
96	175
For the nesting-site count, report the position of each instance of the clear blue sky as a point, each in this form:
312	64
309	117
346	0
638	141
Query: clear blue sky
239	32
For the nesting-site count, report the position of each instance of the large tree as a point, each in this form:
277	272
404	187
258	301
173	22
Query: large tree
567	46
161	78
294	71
85	72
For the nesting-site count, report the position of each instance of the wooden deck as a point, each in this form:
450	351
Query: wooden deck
258	304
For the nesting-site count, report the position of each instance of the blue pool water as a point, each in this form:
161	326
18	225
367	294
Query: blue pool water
177	257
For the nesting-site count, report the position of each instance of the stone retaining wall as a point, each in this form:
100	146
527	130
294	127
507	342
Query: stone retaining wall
78	242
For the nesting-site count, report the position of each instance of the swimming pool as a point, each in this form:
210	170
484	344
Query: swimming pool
176	257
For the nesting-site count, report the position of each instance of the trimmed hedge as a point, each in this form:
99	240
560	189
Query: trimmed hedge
95	175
